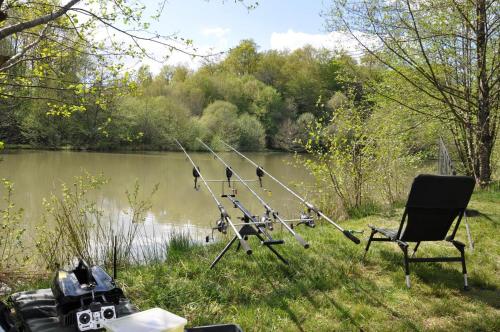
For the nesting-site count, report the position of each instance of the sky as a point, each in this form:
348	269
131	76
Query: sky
218	25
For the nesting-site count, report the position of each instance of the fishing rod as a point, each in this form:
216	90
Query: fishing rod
310	206
247	216
268	208
223	214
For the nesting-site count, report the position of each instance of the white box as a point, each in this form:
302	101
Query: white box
152	320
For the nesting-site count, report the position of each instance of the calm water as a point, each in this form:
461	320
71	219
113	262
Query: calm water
36	174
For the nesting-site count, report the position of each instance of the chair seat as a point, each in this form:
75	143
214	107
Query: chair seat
390	233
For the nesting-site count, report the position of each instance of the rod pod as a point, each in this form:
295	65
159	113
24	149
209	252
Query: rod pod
224	215
269	210
347	233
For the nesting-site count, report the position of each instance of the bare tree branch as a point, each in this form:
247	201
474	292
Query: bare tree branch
12	29
14	60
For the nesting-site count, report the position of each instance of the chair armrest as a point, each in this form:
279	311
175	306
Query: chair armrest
457	243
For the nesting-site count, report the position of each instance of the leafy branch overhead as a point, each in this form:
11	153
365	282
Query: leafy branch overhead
36	36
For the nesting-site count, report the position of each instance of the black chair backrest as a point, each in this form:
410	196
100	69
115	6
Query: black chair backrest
434	202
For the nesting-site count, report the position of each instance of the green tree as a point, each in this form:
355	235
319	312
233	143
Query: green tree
303	85
446	54
243	59
270	69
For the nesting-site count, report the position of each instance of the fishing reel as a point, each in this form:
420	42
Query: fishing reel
307	219
220	226
267	222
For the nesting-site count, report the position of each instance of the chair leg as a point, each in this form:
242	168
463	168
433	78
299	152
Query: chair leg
369	242
464	268
407	264
461	247
464	271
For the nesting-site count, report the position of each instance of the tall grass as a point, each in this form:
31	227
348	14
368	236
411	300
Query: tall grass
11	230
76	227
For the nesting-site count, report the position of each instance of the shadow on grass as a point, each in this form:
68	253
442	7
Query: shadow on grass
437	276
305	291
278	296
377	302
367	293
301	283
296	287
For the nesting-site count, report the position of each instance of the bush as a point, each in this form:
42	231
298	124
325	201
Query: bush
154	122
292	136
251	133
359	158
220	121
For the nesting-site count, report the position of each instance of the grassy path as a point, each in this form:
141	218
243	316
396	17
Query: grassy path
328	287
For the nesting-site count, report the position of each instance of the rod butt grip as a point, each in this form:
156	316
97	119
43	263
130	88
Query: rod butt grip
301	241
351	237
246	247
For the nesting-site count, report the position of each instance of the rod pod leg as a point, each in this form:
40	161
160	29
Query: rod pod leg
369	242
226	248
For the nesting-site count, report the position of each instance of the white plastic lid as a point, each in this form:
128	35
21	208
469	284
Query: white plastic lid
152	320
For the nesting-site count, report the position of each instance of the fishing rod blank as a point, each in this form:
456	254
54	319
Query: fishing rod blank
224	215
310	206
266	206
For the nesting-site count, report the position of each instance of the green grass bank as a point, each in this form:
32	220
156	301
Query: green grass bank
328	287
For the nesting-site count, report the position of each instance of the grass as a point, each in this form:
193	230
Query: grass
329	287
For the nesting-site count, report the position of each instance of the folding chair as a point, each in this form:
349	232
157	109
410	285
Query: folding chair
434	203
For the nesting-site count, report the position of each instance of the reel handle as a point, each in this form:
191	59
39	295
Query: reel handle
245	246
301	240
351	236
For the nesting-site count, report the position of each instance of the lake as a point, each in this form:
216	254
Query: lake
36	174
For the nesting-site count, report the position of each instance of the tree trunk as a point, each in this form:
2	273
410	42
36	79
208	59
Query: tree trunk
484	135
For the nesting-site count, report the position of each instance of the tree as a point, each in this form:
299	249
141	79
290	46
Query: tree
303	84
154	122
41	19
270	68
446	53
35	35
243	59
